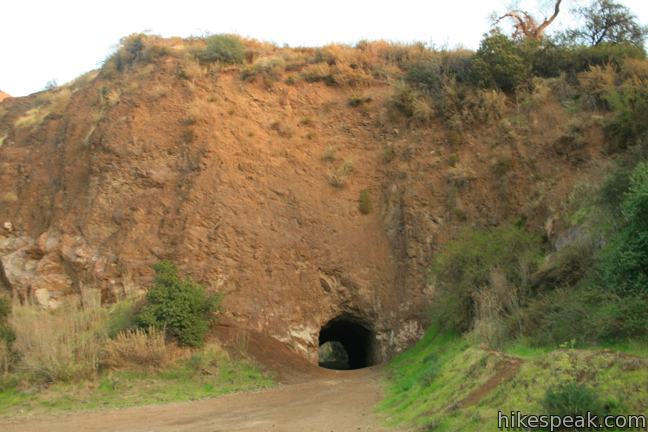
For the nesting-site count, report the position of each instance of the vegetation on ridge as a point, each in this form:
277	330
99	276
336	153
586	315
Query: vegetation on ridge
548	308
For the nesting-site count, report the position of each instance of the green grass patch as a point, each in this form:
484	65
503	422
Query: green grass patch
429	383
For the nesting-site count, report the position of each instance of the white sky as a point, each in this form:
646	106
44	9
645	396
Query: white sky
43	40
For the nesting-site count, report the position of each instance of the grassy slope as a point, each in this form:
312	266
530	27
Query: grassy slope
206	374
429	382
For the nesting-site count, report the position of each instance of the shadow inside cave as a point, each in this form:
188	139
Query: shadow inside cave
345	343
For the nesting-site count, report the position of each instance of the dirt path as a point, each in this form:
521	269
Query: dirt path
340	402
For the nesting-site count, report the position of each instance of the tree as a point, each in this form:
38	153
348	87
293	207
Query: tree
525	26
606	21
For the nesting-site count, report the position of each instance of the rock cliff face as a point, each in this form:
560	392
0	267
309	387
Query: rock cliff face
253	189
226	180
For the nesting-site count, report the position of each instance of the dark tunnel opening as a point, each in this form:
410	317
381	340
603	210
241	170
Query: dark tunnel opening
345	344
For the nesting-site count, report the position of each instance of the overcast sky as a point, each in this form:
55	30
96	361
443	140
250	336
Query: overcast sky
59	40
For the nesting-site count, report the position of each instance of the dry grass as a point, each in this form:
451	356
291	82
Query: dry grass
137	349
109	97
190	69
282	129
485	106
270	67
58	99
32	117
51	102
422	111
635	70
157	92
338	178
595	83
492	303
60	345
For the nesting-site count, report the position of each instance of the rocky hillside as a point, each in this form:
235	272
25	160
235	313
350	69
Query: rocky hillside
291	182
3	96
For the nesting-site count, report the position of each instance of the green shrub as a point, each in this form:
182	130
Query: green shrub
364	202
223	48
581	58
467	264
122	316
614	188
181	307
624	264
5	309
565	315
572	399
409	102
547	58
134	49
550	59
500	63
425	76
428	75
630	124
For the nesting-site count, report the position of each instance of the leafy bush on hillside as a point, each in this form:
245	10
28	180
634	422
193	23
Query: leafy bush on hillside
469	266
364	202
428	75
601	295
181	307
614	188
134	49
624	266
500	63
629	126
572	398
580	58
550	58
122	316
223	48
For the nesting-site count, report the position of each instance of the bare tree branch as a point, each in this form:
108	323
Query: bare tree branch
526	26
540	30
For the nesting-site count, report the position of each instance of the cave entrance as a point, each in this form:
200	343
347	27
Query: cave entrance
345	343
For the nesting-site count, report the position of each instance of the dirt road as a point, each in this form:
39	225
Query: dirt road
338	402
